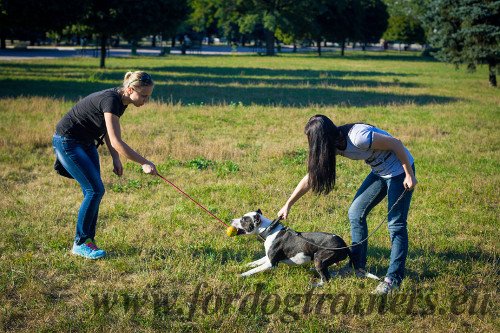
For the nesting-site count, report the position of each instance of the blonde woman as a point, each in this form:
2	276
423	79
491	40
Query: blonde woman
95	117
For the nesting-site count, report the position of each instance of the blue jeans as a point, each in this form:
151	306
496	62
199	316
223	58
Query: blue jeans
82	162
371	192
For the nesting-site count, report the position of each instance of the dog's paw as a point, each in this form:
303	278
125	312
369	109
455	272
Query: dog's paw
318	284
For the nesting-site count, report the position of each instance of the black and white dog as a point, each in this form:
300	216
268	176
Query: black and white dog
284	245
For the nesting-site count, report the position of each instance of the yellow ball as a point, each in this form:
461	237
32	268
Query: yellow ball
231	231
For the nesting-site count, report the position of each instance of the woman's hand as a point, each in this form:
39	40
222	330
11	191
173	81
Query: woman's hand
117	167
410	182
283	213
384	142
149	168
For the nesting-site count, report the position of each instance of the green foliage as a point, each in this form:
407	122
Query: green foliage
30	19
336	21
132	184
405	29
466	32
227	167
405	22
220	168
203	16
373	21
200	163
248	22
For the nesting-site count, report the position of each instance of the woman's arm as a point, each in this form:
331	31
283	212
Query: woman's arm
301	189
117	163
116	142
384	142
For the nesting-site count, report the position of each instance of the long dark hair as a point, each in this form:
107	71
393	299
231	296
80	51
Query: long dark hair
322	136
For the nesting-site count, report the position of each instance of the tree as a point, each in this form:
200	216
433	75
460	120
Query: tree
405	29
245	17
4	24
103	18
320	20
298	23
31	19
374	21
168	16
339	21
405	21
467	32
202	17
263	12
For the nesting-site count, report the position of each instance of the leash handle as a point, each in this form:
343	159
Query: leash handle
190	198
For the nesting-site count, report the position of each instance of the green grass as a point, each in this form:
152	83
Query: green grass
229	131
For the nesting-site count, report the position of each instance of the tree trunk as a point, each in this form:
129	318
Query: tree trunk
3	43
133	45
493	75
342	47
153	41
318	43
269	42
173	42
104	39
294	48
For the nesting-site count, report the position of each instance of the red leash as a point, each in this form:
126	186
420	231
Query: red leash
187	195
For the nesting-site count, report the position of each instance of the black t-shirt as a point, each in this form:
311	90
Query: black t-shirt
85	121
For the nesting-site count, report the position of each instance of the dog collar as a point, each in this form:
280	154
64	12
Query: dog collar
263	235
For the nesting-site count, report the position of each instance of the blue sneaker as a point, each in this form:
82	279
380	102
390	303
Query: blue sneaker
88	250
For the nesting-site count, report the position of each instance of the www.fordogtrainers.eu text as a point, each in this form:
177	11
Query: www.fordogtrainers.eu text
205	300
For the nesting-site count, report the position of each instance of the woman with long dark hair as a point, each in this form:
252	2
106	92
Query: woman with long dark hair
392	173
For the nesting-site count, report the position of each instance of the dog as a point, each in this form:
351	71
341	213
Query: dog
285	245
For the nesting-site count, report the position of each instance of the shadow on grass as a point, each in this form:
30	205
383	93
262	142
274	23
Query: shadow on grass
390	55
214	95
421	273
306	83
237	72
221	85
248	76
381	56
427	271
117	73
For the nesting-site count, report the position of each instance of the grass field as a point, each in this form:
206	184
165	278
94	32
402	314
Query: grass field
229	131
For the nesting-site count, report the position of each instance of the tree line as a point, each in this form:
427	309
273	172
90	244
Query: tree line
459	31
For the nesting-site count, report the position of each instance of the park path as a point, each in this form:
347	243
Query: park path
43	52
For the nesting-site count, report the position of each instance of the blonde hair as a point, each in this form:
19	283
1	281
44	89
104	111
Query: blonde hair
137	79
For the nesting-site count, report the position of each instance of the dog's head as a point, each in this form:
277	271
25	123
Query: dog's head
249	223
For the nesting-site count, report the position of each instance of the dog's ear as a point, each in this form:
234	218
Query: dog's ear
257	219
259	211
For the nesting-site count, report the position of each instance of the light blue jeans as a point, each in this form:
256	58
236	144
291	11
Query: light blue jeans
371	192
82	162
